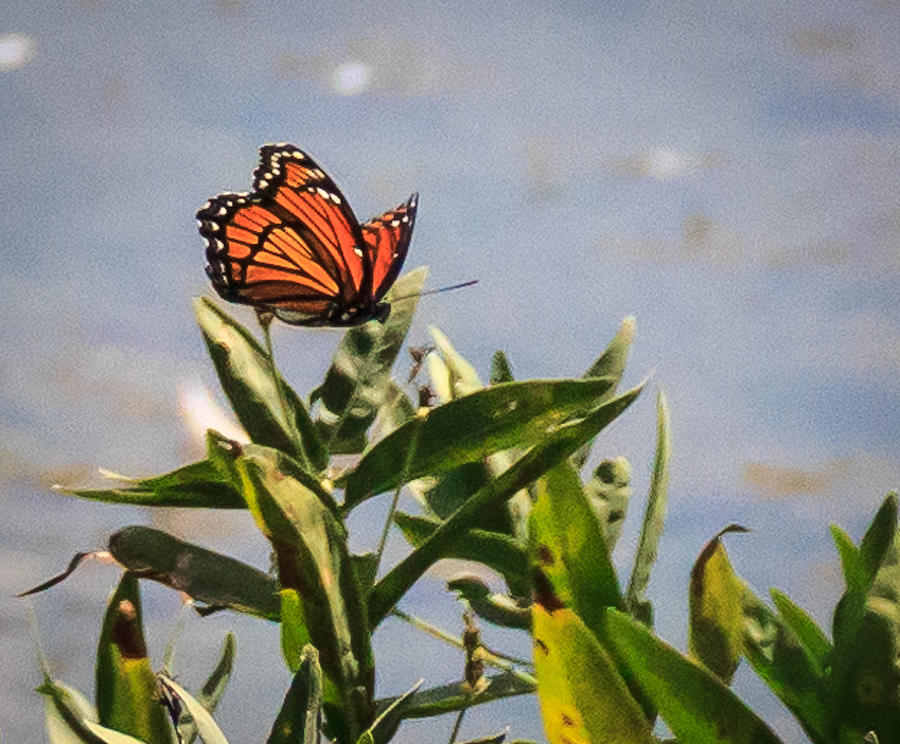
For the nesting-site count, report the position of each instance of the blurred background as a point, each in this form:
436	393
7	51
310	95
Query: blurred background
727	173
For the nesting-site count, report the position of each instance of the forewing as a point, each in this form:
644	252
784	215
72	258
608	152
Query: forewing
291	244
388	239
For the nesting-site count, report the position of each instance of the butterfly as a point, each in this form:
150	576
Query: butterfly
292	245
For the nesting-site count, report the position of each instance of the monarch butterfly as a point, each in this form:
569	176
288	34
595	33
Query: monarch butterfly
293	246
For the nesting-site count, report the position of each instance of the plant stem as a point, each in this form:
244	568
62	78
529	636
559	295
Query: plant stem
265	319
410	454
456	725
495	659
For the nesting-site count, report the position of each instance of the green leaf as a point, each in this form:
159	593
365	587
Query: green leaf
207	728
715	630
212	691
300	717
395	411
531	466
697	707
196	485
125	682
463	377
495	739
879	537
294	629
365	568
779	658
857	630
514	414
497	551
851	562
245	372
214	688
811	637
583	697
654	516
356	384
608	492
458	696
500	369
439	376
204	575
67	714
314	563
869	699
499	609
611	363
388	720
567	546
569	552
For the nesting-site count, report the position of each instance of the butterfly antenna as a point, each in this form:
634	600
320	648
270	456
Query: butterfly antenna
435	291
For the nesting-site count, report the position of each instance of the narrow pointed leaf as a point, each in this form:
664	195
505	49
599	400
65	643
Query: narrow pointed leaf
76	561
495	739
569	552
499	609
439	376
67	714
365	568
697	707
611	363
463	377
567	545
851	563
781	661
816	645
388	720
214	688
654	516
356	384
300	716
531	466
245	372
396	410
207	728
855	628
515	414
125	681
608	492
315	570
715	631
198	485
880	536
457	696
497	551
204	575
212	691
501	371
583	698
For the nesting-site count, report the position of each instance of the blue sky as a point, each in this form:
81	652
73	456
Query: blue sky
726	173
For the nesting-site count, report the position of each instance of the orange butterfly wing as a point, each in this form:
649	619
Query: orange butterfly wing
292	245
388	239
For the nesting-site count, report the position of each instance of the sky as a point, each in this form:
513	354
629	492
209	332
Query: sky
726	173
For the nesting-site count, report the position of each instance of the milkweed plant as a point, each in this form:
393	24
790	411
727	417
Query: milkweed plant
498	473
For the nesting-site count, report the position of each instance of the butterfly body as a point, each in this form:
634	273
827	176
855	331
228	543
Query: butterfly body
293	246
